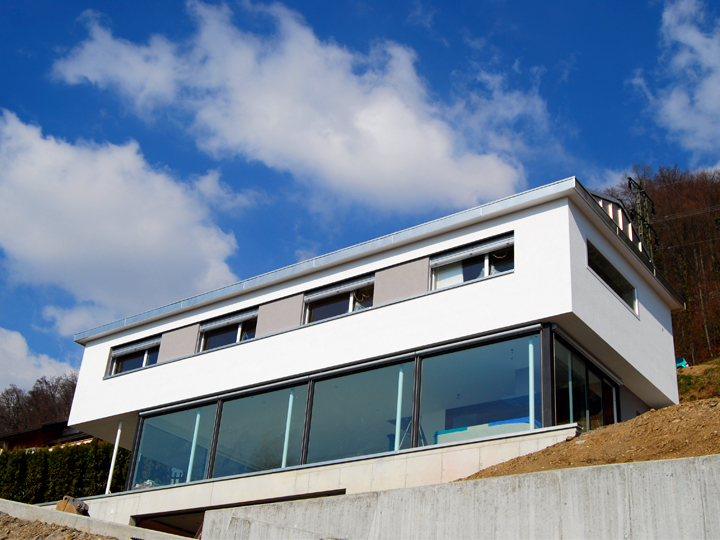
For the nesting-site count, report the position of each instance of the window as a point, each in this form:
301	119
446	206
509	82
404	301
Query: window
261	432
174	447
610	275
362	413
339	299
228	329
134	355
484	391
470	263
582	394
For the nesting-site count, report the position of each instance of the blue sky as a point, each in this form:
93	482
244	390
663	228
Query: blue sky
154	150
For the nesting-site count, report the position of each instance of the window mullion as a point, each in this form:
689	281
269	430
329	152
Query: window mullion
214	440
415	415
308	419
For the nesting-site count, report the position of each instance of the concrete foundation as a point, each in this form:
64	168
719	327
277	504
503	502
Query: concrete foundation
671	499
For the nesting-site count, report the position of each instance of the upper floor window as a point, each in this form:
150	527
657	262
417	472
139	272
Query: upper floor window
134	355
339	299
469	263
228	329
611	276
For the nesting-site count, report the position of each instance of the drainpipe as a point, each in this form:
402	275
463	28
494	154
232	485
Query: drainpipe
114	456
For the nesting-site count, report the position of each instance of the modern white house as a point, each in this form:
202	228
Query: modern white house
416	358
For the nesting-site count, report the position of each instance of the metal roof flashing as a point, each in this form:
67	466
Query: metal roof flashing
464	218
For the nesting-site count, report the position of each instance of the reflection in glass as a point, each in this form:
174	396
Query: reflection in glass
261	432
329	307
174	447
594	400
362	413
481	392
225	335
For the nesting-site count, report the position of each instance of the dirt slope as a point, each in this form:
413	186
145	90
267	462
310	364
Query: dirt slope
699	382
687	430
12	528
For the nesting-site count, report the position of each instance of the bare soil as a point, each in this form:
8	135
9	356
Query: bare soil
689	429
12	528
699	382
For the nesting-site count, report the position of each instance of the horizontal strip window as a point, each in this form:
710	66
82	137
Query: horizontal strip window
490	257
612	277
476	391
134	355
338	299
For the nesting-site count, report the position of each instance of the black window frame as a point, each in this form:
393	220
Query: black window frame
345	291
149	347
240	321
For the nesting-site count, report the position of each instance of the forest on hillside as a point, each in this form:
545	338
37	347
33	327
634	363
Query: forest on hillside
686	221
49	400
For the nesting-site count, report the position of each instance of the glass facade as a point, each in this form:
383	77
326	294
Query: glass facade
472	392
362	413
261	432
582	394
174	447
481	392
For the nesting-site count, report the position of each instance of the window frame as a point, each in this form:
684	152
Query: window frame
483	248
346	288
116	354
239	318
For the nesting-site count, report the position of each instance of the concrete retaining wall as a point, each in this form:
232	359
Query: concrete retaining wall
82	523
671	499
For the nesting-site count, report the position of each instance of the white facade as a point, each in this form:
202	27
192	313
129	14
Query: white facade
550	285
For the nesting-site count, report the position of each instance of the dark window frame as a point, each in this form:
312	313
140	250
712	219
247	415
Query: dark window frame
476	252
613	278
149	347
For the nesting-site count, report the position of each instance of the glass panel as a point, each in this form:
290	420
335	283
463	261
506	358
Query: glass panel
579	403
173	444
481	392
594	400
608	403
152	356
362	413
329	307
261	432
129	362
450	274
225	335
502	260
248	330
473	268
609	274
563	385
363	298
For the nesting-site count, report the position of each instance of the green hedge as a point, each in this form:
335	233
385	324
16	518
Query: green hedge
45	475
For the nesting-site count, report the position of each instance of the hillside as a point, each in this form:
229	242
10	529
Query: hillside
689	429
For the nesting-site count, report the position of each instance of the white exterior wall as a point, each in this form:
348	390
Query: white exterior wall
638	347
538	289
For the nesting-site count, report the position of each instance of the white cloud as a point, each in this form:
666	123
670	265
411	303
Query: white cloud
99	222
688	105
363	127
21	366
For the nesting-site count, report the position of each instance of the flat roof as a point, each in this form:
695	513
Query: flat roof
457	220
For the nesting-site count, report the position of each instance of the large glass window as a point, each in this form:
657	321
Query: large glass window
261	432
174	447
481	392
611	276
582	396
362	413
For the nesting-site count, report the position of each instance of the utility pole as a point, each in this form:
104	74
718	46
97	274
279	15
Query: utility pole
644	205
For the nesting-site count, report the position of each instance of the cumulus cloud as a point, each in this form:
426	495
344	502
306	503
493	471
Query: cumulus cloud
361	126
21	366
687	105
97	221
